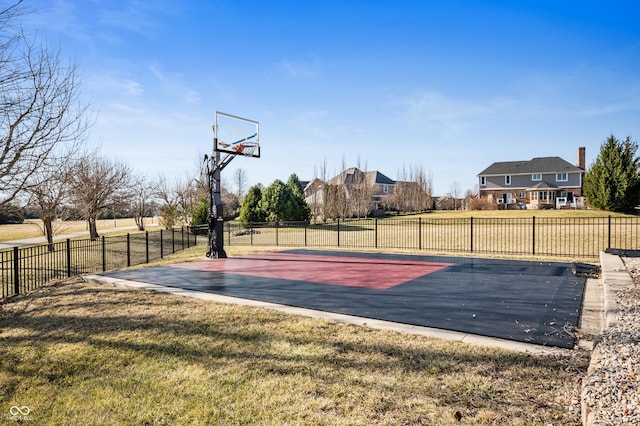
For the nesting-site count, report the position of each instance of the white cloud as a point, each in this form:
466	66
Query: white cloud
172	83
449	115
113	84
299	69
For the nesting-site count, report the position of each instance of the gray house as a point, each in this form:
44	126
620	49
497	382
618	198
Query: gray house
378	186
542	182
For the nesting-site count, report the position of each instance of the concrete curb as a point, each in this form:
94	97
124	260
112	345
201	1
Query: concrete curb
615	278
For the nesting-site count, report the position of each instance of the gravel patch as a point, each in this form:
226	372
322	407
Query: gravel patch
611	390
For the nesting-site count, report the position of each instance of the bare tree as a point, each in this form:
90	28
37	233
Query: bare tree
48	191
424	183
335	198
141	200
361	191
413	190
39	108
179	198
317	196
99	184
168	194
454	193
240	179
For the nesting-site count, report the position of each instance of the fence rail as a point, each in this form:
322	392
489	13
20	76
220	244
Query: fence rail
577	237
23	269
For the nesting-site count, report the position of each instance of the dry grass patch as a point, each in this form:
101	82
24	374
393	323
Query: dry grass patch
84	354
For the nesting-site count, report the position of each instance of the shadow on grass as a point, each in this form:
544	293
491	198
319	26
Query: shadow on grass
119	328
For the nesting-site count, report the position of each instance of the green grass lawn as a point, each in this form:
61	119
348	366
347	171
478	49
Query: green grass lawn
76	353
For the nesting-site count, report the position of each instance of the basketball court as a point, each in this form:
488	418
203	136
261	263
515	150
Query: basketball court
523	301
530	302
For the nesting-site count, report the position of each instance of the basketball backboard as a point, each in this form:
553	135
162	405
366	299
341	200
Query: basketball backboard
236	135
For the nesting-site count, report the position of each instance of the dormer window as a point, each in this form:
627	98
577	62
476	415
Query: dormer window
483	181
536	176
507	180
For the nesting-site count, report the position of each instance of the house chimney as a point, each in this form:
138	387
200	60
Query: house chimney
581	158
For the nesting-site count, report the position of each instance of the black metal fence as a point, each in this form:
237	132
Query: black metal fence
573	237
23	269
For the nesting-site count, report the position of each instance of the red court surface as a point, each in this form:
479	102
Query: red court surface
334	270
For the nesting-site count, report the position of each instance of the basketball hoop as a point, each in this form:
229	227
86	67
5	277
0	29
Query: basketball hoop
234	136
246	148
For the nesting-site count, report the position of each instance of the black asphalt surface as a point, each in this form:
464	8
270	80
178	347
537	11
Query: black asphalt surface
526	301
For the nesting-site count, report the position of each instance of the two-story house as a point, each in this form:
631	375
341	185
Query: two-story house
542	182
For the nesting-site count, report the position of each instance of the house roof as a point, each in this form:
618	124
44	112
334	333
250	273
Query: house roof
373	177
535	165
542	185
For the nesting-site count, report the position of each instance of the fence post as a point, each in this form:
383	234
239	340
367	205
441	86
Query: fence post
338	232
68	249
146	246
188	236
277	225
533	235
161	246
104	255
173	240
376	232
128	249
609	232
305	234
471	233
182	237
419	233
16	270
251	233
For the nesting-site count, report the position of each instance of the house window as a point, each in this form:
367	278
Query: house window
507	180
536	176
522	195
385	189
562	177
483	181
543	195
534	196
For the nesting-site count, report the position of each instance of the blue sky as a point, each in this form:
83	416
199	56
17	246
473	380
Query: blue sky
448	86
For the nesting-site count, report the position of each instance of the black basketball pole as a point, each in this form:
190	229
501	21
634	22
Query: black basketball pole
216	214
215	220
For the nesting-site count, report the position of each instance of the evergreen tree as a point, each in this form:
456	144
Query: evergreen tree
200	212
301	210
251	210
281	203
295	185
613	180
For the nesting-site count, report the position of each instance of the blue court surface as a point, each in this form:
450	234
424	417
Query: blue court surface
526	301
